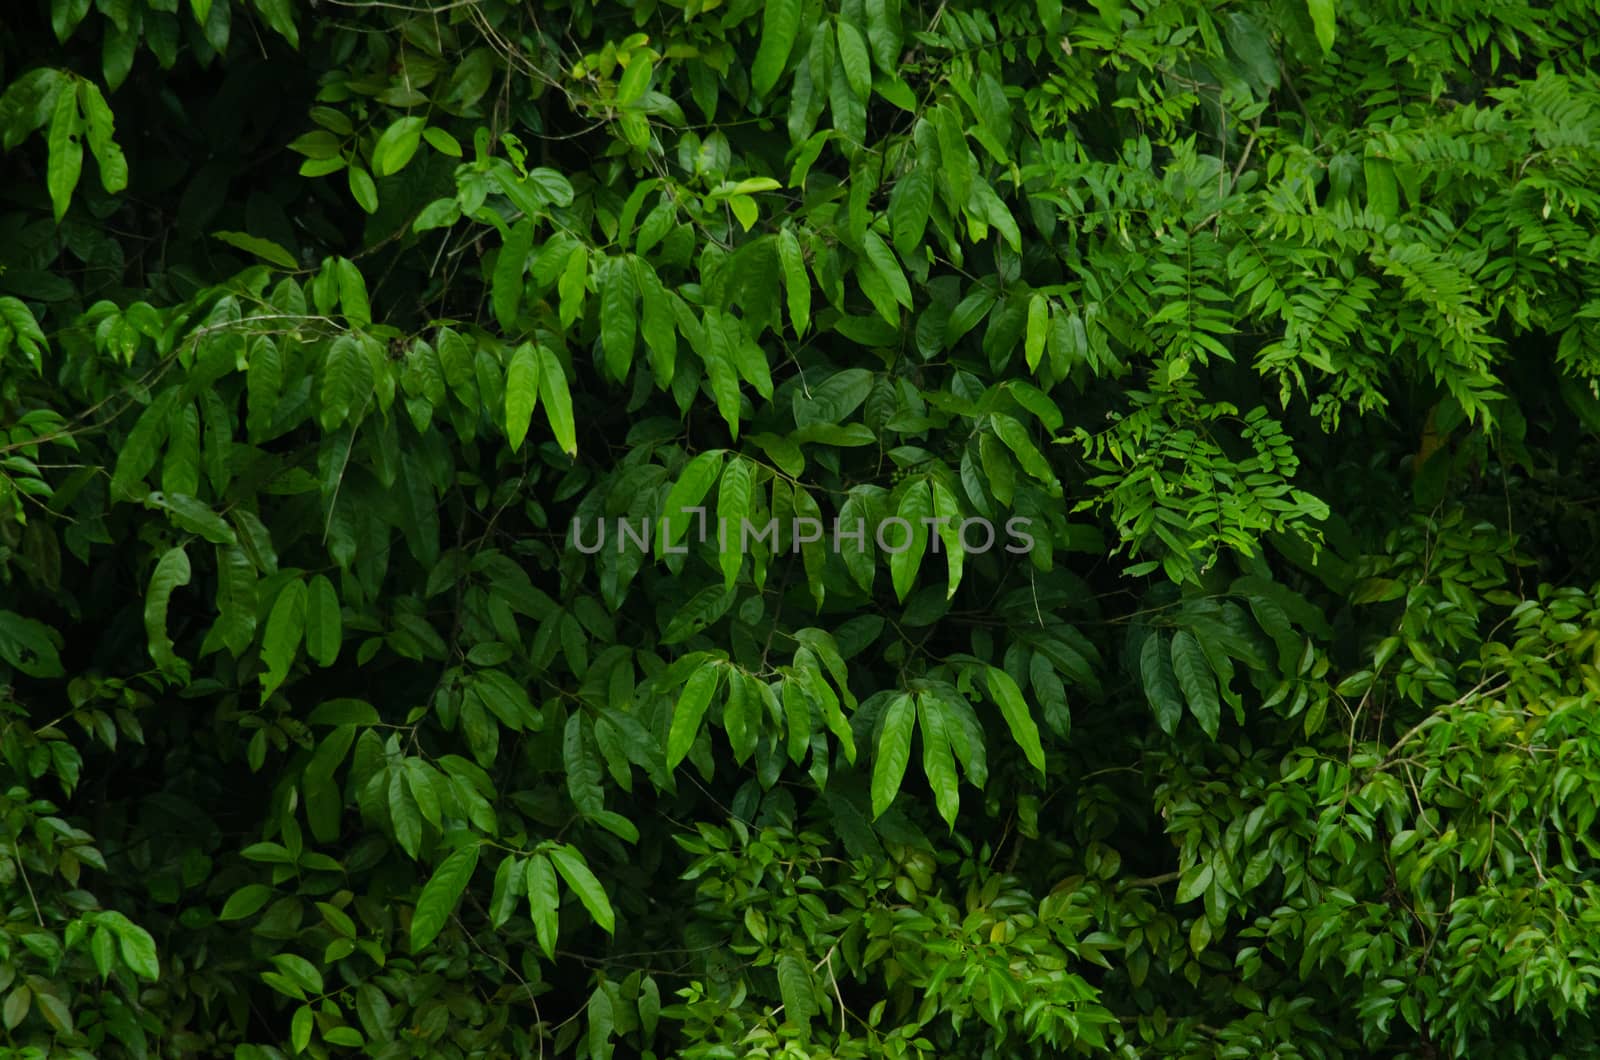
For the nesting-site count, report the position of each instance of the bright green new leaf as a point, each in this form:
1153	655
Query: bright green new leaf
396	146
557	401
1324	16
522	393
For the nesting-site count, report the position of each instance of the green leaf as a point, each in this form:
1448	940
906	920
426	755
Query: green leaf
1324	14
65	15
324	631
510	269
1194	882
442	141
352	292
544	903
635	79
194	516
171	572
396	146
363	188
854	59
954	156
575	871
948	513
916	504
441	894
780	25
557	401
733	510
694	482
347	382
1038	329
245	902
280	16
937	761
582	768
619	298
16	1006
324	801
909	205
1008	697
797	990
337	712
522	393
1199	684
286	626
404	814
883	261
264	249
658	323
1015	435
1160	683
797	285
509	886
893	751
797	719
135	944
65	161
690	709
30	646
741	715
101	129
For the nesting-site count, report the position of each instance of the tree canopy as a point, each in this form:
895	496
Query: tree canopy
809	529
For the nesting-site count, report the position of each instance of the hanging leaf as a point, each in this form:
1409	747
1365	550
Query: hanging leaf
619	298
779	26
522	393
690	709
544	903
937	761
1008	697
557	401
441	894
280	643
1199	684
893	751
323	626
171	572
396	146
575	871
510	270
1160	683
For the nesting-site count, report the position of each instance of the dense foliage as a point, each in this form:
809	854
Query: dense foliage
1273	326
